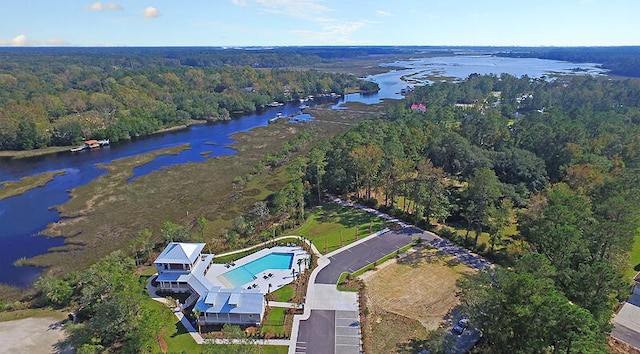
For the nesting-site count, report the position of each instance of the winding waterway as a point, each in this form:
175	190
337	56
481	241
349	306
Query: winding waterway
23	216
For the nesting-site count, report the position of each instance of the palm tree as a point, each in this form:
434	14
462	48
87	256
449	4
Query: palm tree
299	265
197	313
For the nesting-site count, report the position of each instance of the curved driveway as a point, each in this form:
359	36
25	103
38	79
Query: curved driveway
335	329
365	253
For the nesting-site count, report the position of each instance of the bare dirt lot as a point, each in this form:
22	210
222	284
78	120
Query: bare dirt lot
31	335
407	299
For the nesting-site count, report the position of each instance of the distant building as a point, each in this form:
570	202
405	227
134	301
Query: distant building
419	107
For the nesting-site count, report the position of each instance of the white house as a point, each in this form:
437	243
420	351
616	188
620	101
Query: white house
183	268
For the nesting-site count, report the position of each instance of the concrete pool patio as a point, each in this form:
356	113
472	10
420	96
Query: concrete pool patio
276	277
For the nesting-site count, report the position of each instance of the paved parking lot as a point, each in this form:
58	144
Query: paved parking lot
347	332
317	334
365	253
328	331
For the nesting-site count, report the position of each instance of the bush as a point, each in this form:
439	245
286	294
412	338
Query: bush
371	202
451	235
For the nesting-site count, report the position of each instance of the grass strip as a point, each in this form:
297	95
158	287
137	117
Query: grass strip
634	257
370	266
284	294
32	153
10	189
274	323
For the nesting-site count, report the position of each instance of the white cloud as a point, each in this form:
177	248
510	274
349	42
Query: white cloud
151	12
330	30
98	6
22	40
384	13
333	31
298	8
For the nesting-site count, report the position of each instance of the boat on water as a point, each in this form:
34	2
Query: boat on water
91	144
303	106
274	119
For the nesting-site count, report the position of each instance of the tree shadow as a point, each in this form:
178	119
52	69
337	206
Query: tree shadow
637	267
180	329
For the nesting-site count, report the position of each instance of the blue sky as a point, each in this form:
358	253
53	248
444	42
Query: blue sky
319	22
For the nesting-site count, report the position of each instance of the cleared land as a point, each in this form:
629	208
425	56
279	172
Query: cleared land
36	335
407	299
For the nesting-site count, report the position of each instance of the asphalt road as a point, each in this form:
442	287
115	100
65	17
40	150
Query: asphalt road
366	253
317	335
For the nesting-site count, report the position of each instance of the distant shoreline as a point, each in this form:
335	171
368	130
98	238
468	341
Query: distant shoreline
12	154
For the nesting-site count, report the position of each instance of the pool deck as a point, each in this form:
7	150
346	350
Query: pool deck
278	278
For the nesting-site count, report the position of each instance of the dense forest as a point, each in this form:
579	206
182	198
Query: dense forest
558	158
57	97
623	61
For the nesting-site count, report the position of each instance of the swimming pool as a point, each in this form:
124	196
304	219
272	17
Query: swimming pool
247	273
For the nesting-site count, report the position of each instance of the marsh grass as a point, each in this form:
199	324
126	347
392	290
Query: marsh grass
10	189
107	214
33	153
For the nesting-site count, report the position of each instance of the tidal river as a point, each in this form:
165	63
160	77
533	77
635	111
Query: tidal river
22	217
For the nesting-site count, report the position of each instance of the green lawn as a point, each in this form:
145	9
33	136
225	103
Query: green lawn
634	258
284	294
330	223
179	341
275	322
175	335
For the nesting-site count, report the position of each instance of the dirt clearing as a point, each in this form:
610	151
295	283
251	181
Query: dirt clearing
414	293
33	335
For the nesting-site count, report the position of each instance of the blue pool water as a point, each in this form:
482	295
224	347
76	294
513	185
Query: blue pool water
247	273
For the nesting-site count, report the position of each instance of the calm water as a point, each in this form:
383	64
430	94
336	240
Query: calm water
23	217
423	70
